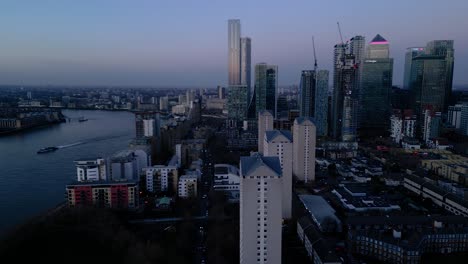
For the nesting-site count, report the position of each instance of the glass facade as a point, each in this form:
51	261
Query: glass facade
321	103
375	93
266	87
238	98
307	94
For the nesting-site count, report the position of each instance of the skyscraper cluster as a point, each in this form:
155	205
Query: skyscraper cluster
245	102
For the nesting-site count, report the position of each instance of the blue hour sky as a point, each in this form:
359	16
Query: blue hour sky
184	43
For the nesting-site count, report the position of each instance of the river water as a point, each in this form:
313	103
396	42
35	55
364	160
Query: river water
30	183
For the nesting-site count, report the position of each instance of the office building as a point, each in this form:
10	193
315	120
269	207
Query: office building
91	169
245	63
375	88
266	87
279	143
103	194
234	50
409	55
304	140
238	98
265	123
431	76
260	210
160	178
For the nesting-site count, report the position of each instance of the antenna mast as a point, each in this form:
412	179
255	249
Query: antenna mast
315	57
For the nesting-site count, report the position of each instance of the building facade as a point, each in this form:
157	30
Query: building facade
188	186
279	143
265	123
160	178
345	94
375	88
103	194
260	210
226	179
238	98
304	141
245	62
91	169
266	87
234	50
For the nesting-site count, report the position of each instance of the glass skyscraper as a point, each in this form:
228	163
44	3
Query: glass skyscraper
375	88
410	54
431	75
266	87
321	103
307	90
313	98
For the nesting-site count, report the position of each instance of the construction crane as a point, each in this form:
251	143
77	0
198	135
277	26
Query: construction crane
339	31
315	57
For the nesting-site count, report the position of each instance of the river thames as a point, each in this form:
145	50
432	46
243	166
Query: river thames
32	183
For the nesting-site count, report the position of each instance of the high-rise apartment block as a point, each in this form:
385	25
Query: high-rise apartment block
239	76
234	49
245	62
266	87
279	143
304	141
260	210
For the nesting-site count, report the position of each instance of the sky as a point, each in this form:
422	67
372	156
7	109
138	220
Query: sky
171	43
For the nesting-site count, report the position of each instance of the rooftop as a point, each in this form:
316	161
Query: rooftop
248	164
273	134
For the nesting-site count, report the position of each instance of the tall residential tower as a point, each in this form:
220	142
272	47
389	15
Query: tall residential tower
234	50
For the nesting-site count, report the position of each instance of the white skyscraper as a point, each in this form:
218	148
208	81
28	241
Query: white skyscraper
304	138
260	210
234	49
279	143
265	122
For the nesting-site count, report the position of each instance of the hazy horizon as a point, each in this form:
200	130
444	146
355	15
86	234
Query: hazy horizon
152	44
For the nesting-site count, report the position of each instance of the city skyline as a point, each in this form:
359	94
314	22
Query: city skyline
130	45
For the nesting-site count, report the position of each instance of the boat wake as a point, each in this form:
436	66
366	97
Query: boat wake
96	139
71	145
